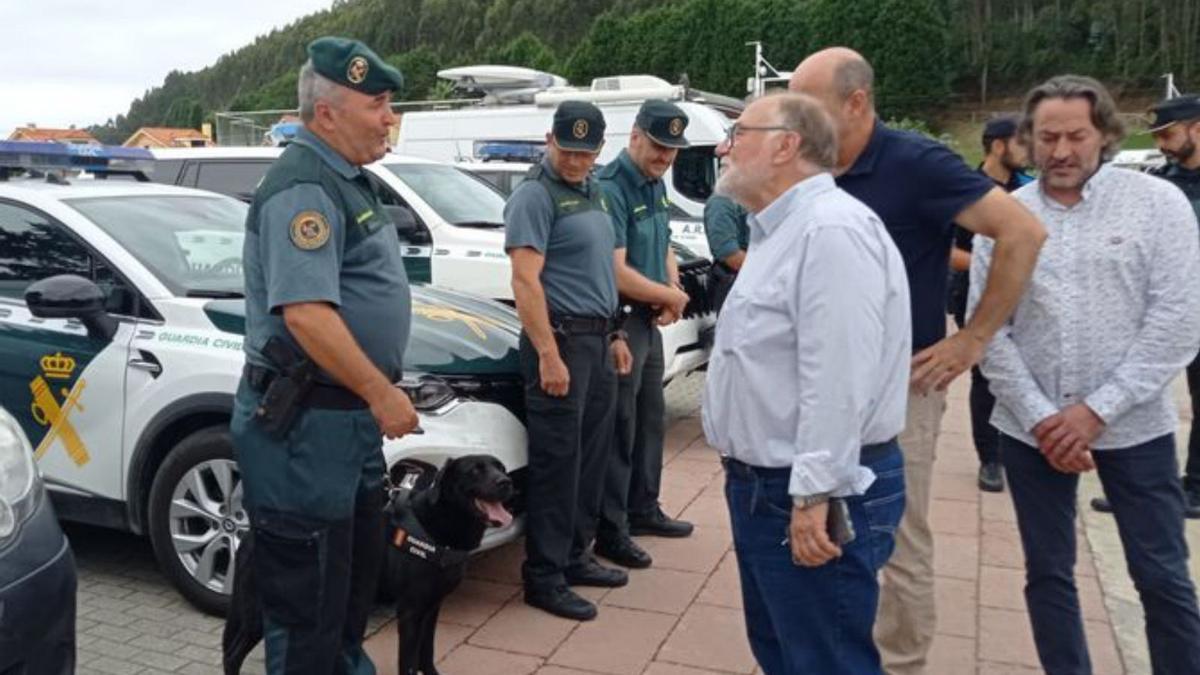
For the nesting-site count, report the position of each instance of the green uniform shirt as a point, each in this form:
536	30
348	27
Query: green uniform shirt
316	232
567	224
1187	180
725	227
641	217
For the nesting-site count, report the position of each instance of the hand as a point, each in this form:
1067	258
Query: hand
622	357
809	541
393	412
1065	438
553	375
678	301
936	366
666	317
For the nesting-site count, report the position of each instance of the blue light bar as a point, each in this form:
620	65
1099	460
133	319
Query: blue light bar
45	155
510	151
281	133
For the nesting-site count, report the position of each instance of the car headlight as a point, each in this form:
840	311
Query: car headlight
18	475
427	394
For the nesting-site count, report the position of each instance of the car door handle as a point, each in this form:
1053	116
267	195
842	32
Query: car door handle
147	362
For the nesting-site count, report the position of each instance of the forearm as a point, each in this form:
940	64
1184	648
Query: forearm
735	260
1014	256
324	337
534	314
631	284
672	267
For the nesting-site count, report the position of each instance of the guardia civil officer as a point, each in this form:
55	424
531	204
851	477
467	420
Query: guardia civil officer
561	244
647	278
326	296
728	237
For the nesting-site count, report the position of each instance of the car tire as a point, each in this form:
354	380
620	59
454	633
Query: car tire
197	519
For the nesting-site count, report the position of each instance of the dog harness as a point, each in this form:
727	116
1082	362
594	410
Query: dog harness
412	539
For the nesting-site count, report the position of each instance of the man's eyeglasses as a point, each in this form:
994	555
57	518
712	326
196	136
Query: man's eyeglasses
737	129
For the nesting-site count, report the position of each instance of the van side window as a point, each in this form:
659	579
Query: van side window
236	179
695	172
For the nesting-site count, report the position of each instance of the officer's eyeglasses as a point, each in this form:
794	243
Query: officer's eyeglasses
737	129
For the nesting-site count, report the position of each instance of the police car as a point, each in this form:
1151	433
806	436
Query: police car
452	226
121	323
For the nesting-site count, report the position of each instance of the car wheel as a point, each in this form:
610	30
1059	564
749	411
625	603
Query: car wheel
197	520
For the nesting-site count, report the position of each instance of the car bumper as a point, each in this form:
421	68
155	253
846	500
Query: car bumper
37	597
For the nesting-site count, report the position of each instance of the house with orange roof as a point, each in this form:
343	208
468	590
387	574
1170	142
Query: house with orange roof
37	134
167	137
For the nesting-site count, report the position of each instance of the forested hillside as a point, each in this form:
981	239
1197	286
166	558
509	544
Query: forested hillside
924	50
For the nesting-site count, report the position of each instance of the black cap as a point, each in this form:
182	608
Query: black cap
999	127
1172	110
578	125
352	64
664	123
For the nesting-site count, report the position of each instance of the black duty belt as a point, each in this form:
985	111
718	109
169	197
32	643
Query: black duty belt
323	396
565	324
869	455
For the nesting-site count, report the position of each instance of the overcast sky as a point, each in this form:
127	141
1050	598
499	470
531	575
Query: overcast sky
81	62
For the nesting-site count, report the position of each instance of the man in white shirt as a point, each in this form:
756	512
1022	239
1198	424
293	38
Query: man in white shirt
1080	374
806	393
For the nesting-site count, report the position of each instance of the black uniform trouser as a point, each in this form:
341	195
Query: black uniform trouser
569	442
635	466
1191	472
982	402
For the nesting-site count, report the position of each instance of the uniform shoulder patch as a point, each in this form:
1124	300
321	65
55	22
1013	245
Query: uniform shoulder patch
309	230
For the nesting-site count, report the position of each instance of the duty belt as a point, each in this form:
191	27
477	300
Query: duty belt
323	396
565	324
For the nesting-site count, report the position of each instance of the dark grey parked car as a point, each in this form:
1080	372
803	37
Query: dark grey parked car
37	569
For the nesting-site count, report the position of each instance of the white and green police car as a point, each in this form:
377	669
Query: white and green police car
452	226
121	325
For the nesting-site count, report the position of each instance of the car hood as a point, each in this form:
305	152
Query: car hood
452	333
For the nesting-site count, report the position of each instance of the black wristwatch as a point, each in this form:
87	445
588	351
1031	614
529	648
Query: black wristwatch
618	334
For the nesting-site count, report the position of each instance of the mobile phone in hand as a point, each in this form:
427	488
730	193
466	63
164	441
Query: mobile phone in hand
838	524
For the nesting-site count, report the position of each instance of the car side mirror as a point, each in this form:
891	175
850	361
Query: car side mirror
67	296
407	227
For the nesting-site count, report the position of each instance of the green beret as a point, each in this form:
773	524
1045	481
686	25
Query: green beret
1172	110
664	123
352	64
579	125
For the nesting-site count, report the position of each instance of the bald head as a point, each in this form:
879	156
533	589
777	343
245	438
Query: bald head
836	72
843	82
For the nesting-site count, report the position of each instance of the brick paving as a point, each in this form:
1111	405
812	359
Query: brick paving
681	617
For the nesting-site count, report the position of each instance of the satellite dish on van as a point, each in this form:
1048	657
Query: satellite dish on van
495	79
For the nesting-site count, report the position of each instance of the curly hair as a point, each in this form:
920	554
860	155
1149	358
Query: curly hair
1104	110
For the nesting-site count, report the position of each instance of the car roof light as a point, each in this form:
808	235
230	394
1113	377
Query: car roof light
510	151
50	156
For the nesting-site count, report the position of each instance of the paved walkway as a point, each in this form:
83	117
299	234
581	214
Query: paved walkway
683	616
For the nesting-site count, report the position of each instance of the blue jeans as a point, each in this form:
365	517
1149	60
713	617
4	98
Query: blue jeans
803	620
1142	484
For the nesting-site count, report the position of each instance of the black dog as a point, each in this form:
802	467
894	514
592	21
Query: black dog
432	526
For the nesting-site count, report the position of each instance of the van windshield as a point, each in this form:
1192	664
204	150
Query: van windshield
458	198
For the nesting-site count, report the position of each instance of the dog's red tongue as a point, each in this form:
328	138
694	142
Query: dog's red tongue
497	515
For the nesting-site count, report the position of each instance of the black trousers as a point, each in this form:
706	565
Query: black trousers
569	443
1191	472
635	465
985	436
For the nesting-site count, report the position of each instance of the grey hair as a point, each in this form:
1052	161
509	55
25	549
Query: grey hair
312	87
806	116
853	74
1104	110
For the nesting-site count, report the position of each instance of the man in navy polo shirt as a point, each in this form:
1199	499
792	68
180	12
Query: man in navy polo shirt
920	189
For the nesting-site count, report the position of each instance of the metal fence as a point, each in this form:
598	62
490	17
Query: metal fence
250	127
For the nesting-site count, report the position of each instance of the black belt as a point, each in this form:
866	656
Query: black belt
323	396
642	312
565	324
869	455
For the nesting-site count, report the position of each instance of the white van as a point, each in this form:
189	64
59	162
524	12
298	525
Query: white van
454	135
451	223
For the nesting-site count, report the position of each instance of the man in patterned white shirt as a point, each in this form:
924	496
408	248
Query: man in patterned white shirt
1080	374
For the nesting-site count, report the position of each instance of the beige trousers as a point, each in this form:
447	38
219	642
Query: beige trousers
907	613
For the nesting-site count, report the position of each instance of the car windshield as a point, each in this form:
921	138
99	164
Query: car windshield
193	244
458	198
